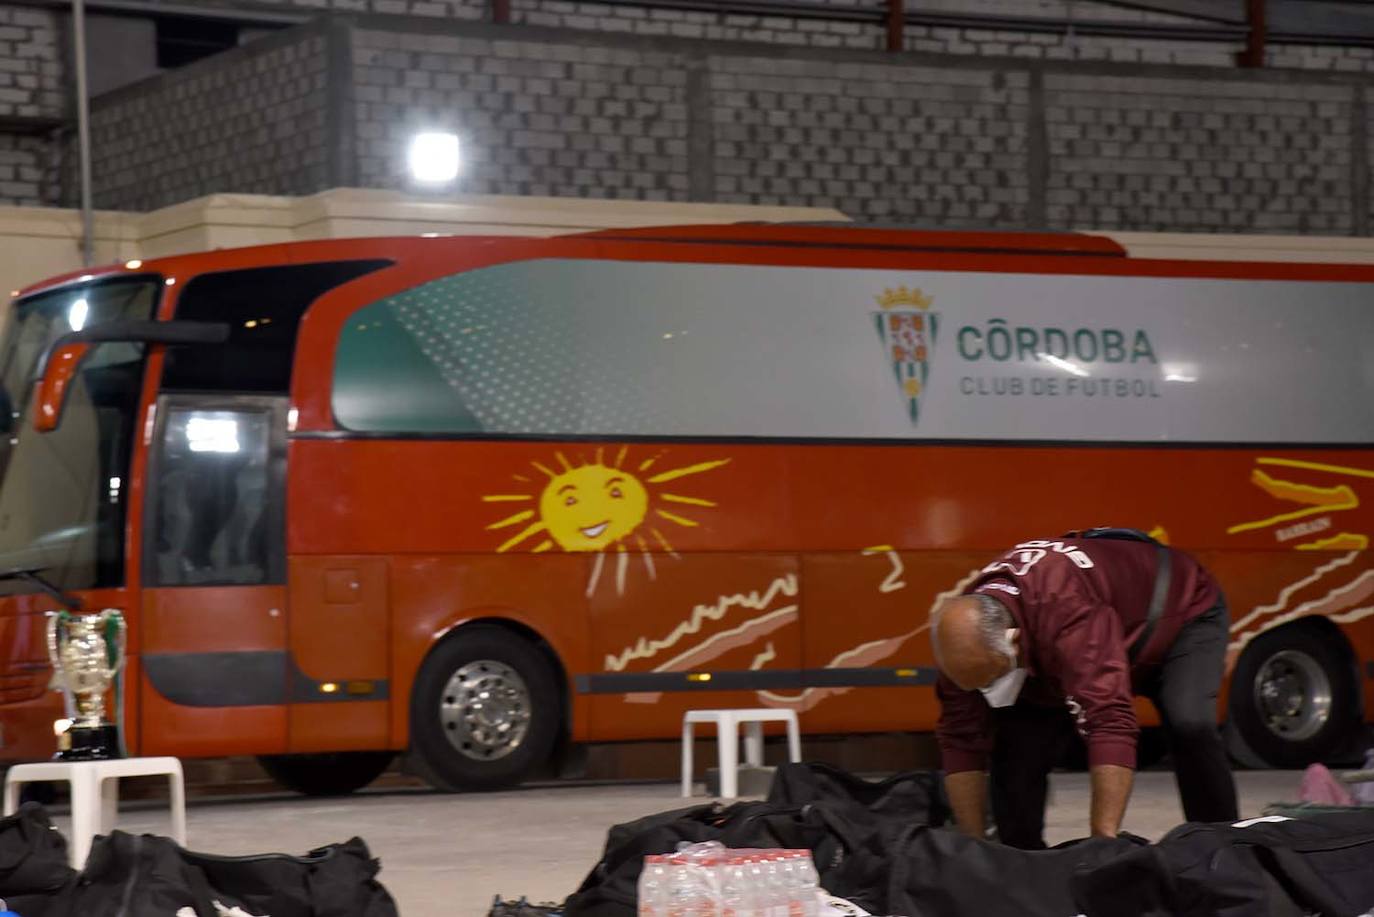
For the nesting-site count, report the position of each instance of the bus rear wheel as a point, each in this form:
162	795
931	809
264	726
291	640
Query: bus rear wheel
331	774
485	710
1293	697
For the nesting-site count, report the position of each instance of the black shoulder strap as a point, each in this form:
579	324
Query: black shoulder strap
1116	534
1163	575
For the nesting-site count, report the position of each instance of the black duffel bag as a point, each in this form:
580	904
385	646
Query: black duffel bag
132	875
1265	867
939	872
912	798
841	841
849	824
33	862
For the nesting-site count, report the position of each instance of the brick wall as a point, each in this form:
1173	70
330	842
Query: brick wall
249	120
446	9
877	140
31	63
633	20
537	118
953	140
25	177
1127	153
32	102
814	32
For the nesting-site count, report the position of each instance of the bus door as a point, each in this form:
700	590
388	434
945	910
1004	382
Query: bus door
216	663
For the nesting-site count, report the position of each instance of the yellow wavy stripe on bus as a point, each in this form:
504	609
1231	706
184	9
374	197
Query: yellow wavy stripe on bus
1345	541
1310	494
1323	499
1317	466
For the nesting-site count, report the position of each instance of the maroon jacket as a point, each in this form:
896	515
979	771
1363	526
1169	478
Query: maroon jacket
1080	603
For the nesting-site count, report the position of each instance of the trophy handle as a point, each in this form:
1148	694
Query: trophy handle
121	639
56	632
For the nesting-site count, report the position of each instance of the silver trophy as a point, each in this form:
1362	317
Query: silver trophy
87	653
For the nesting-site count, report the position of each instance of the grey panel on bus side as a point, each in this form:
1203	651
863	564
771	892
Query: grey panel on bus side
608	348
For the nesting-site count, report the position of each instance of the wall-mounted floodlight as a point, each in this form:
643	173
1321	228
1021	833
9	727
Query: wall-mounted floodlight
434	158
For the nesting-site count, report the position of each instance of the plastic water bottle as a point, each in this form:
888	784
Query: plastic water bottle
786	887
653	887
777	885
811	879
757	876
736	893
710	873
802	879
688	891
679	888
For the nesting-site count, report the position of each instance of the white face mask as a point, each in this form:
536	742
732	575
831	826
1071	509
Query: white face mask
1003	691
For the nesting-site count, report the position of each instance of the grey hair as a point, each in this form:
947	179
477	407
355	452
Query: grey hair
993	623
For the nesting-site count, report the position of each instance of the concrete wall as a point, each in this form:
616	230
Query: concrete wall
32	102
953	140
1066	43
253	122
546	118
1018	130
31	62
1215	156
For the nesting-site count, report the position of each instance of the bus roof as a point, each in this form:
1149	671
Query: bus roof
853	235
837	235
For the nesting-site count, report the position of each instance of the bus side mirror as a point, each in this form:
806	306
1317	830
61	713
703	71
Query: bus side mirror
63	359
62	363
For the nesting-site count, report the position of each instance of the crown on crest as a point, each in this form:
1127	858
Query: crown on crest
901	296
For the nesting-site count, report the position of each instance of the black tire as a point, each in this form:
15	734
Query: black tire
332	774
1293	697
460	745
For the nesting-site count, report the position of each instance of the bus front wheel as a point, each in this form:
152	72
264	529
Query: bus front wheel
485	711
329	774
1293	697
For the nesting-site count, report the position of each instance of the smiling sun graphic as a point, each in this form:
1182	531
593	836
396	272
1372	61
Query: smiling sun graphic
595	506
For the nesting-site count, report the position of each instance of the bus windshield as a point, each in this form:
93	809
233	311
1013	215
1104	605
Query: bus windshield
63	494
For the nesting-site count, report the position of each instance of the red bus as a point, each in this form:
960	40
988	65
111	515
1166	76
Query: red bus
476	498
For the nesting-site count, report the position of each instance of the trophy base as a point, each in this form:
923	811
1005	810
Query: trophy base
92	743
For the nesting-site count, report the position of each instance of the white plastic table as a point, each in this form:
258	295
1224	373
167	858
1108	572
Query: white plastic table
95	794
727	741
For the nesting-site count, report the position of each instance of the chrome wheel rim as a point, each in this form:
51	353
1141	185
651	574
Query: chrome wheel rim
1293	695
485	710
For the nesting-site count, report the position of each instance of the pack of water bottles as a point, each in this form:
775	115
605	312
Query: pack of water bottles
712	880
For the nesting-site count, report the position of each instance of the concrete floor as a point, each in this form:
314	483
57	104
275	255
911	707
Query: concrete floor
447	855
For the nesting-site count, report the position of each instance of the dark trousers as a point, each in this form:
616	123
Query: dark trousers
1031	739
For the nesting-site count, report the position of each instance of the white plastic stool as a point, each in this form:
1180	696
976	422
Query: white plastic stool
727	742
95	794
